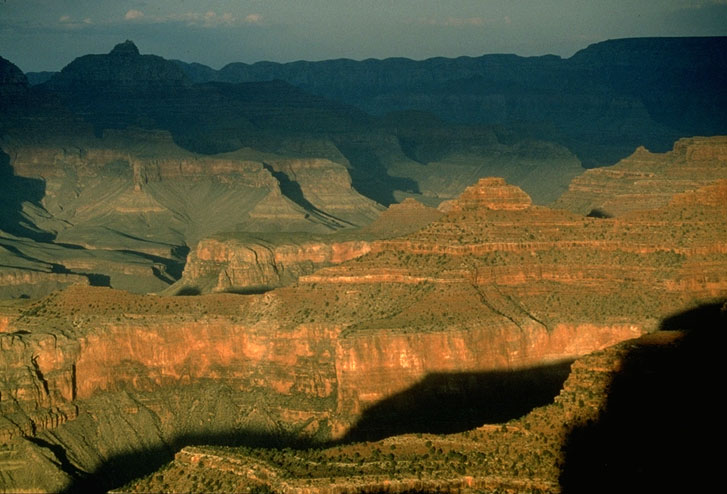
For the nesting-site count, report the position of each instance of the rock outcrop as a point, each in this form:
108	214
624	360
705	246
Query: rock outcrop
489	193
647	180
246	263
480	291
624	416
134	197
252	263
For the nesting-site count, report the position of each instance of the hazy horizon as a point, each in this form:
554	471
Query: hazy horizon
39	35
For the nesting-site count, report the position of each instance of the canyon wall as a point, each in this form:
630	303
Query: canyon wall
249	263
123	210
255	264
495	284
647	180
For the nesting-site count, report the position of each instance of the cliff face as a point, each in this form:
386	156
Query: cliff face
254	264
619	417
303	379
374	366
496	285
131	202
489	193
240	190
250	263
647	180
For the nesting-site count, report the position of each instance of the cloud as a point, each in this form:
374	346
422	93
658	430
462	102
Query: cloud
209	19
133	14
254	19
458	21
67	22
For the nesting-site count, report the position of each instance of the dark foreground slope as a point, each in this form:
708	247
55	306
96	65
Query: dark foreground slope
626	420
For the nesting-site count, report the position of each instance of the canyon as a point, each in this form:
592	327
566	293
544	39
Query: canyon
618	417
493	285
119	165
601	103
270	279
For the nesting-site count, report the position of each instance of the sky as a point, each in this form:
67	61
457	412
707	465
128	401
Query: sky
48	34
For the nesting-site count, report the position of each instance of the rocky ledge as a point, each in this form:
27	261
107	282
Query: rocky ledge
479	297
647	180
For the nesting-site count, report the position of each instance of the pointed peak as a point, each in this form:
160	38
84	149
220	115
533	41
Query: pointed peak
126	48
489	193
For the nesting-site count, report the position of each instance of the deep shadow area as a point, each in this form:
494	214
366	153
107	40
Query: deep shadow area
291	189
445	403
599	213
440	403
369	175
188	291
249	290
172	267
15	190
97	279
663	426
121	469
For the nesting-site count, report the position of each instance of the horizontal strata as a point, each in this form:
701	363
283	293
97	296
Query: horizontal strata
312	359
648	180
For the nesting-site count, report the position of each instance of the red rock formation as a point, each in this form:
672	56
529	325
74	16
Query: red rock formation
376	365
219	264
260	262
489	193
481	289
647	180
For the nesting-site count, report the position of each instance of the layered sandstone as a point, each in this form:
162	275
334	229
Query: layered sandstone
479	292
647	180
489	193
619	418
249	263
326	186
125	176
131	204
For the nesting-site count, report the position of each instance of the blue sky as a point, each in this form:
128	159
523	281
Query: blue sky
48	34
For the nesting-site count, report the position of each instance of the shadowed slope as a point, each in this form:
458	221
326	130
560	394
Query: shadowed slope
662	418
446	403
14	192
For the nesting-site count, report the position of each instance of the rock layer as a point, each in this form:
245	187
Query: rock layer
250	263
130	204
480	290
647	180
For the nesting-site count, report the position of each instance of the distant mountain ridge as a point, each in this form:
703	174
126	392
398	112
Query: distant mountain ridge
124	64
385	156
129	153
602	102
